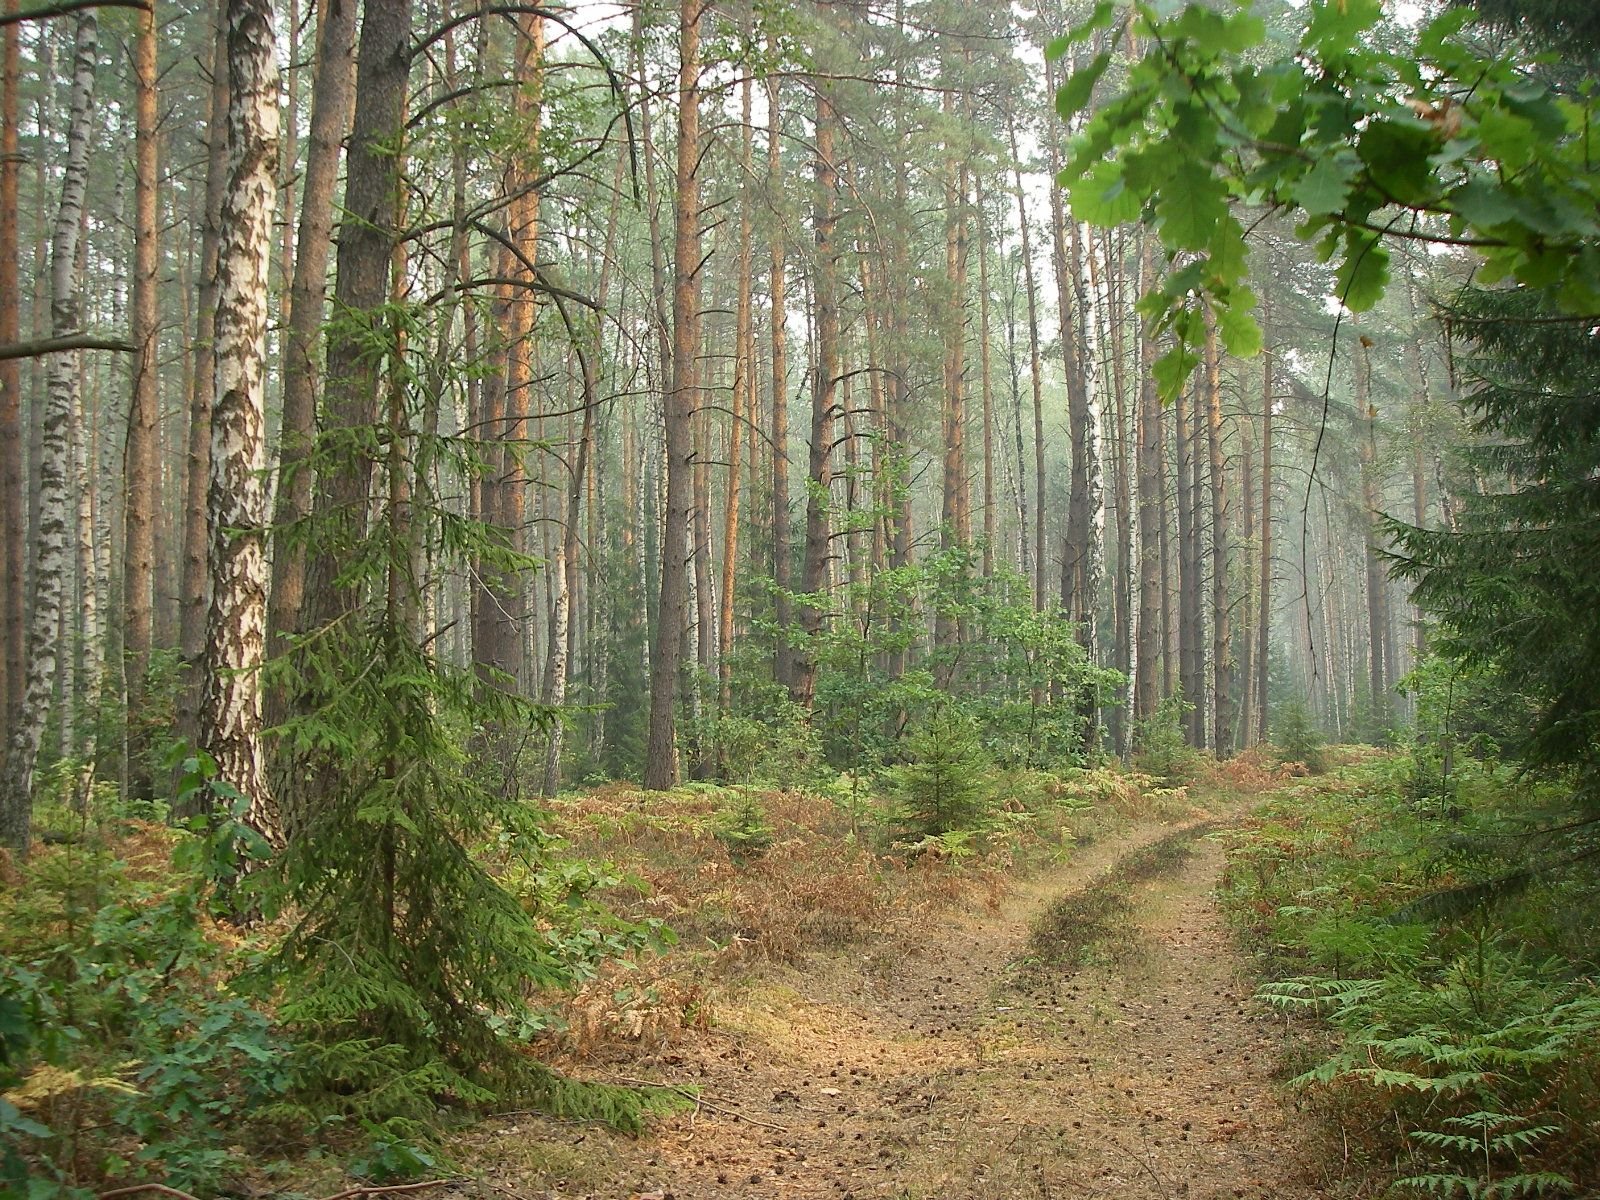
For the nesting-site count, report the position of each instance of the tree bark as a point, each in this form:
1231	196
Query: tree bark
1222	698
141	471
742	404
783	665
13	510
678	403
1264	605
1148	648
1036	372
231	717
1191	652
814	566
52	559
194	595
332	94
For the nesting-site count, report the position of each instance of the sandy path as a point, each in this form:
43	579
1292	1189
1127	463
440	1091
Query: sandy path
918	1068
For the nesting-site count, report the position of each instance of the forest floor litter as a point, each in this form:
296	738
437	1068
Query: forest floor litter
963	1058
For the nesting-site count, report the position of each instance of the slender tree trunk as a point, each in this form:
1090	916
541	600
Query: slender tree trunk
742	404
1122	584
13	510
1036	371
230	726
814	566
1148	649
783	668
1377	594
52	560
985	382
1191	652
678	402
363	265
141	471
955	526
194	595
332	93
1222	698
1264	605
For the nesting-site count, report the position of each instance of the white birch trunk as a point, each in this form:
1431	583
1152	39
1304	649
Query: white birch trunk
52	553
230	719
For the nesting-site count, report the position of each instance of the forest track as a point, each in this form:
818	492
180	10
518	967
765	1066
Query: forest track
942	1063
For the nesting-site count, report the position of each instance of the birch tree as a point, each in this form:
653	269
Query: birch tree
230	726
57	510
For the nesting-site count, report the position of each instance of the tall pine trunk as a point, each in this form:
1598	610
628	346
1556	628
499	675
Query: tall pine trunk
1222	698
814	565
332	94
141	471
679	401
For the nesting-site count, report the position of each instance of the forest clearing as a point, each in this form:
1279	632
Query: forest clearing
832	598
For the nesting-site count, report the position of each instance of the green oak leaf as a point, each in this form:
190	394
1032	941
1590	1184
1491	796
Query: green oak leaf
1237	326
1190	206
1325	188
1074	95
1101	196
1364	272
1482	204
1172	370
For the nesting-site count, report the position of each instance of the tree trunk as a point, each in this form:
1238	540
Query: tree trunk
1148	648
52	560
783	664
332	93
1191	652
230	727
351	390
678	403
955	525
814	566
13	511
141	471
1264	604
743	405
1222	699
986	384
1037	373
1377	594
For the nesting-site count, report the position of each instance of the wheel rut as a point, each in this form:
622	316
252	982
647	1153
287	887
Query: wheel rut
937	1063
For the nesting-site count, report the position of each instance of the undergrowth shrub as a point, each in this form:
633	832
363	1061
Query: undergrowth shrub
1160	748
942	788
124	1050
1465	1015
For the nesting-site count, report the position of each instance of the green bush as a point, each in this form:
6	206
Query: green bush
943	786
1456	980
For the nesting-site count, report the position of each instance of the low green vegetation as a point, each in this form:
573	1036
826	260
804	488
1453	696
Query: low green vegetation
1436	952
1080	923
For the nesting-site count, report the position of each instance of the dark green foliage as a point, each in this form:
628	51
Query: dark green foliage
1298	738
742	827
943	785
116	1006
1514	585
1020	676
1460	987
1160	748
410	963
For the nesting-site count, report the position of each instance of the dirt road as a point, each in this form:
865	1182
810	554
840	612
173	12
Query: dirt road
939	1065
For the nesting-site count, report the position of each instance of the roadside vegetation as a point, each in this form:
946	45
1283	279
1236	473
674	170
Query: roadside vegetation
144	1033
1429	942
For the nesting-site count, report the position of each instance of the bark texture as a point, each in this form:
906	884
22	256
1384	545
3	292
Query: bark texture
53	531
231	717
